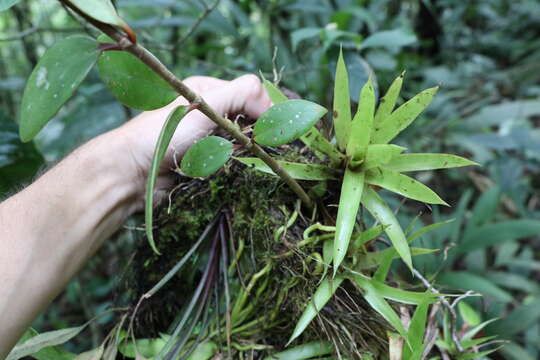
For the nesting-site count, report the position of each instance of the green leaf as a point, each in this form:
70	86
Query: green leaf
6	4
399	295
468	314
274	93
403	185
145	347
421	162
518	320
100	10
324	292
286	121
376	258
362	123
484	209
381	154
162	144
380	211
390	39
342	103
416	333
377	302
349	202
494	234
295	170
475	330
204	351
388	102
426	229
206	156
53	81
389	128
43	340
317	142
468	281
133	83
304	351
368	235
94	354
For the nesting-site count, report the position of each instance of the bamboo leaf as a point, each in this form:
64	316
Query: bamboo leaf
349	202
375	258
465	280
100	10
362	123
403	185
498	233
324	292
206	156
415	334
388	102
468	314
132	82
274	93
342	103
399	295
54	80
304	351
389	128
368	235
519	319
43	340
162	144
380	210
421	162
426	229
377	302
286	121
296	170
381	154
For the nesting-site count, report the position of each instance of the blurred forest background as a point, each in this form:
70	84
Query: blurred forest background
484	53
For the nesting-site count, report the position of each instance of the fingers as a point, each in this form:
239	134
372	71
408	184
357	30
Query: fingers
245	94
201	84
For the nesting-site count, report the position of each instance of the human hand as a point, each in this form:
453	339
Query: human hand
243	95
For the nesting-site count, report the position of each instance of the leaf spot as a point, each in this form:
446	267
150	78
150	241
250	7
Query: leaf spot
41	78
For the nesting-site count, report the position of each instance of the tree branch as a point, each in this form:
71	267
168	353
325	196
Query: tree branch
153	63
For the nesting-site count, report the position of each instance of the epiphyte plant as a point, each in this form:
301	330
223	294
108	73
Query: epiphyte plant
360	158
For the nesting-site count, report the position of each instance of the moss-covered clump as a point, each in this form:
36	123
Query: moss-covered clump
272	270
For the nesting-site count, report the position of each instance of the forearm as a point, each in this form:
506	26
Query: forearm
51	228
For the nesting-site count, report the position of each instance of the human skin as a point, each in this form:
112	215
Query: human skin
51	228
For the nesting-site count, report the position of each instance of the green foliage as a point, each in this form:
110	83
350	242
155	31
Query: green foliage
162	145
6	4
320	297
132	82
484	55
206	156
286	121
54	80
296	170
100	10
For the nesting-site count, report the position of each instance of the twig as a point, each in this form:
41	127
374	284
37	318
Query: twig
453	315
207	10
195	100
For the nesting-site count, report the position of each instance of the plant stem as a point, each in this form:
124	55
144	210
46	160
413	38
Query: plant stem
195	100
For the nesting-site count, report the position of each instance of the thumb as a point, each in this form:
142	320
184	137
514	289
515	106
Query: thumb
245	94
